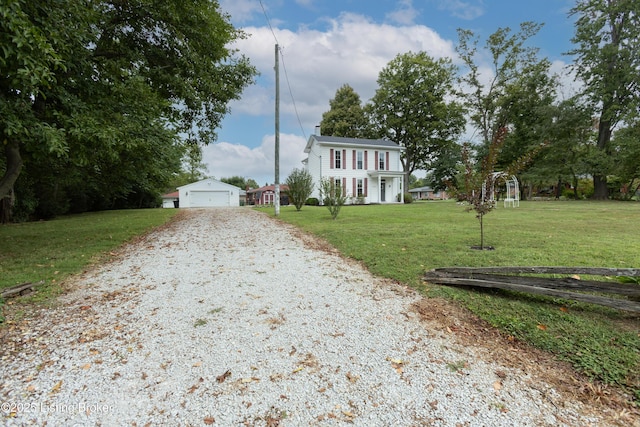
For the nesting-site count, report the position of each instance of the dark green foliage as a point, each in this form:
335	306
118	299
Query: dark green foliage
95	97
346	116
312	201
607	61
240	182
300	184
414	107
333	196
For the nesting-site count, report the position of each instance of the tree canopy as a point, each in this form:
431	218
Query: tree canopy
98	98
607	61
345	117
413	106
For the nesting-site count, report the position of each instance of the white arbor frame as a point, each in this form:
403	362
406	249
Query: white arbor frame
512	197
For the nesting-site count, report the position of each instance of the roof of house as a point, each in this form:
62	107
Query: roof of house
173	195
211	181
420	189
283	187
339	140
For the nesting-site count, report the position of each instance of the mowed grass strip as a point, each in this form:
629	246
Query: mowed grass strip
401	242
53	250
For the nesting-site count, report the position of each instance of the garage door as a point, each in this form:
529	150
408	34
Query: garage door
205	199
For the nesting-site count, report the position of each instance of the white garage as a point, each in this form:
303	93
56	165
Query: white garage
208	193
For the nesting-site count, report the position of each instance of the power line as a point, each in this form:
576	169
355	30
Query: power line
286	76
295	108
268	21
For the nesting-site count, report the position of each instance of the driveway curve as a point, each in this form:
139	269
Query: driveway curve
226	317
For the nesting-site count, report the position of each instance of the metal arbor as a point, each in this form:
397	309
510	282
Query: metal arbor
512	196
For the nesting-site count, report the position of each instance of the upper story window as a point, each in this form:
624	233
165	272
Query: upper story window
381	162
359	160
337	159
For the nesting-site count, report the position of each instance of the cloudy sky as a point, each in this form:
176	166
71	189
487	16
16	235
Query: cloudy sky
328	43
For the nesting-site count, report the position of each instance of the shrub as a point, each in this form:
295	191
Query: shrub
333	196
408	198
300	185
312	201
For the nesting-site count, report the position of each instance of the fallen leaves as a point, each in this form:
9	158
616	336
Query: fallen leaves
352	378
397	364
56	388
221	378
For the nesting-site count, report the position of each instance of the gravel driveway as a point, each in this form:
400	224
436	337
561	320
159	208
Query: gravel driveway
225	317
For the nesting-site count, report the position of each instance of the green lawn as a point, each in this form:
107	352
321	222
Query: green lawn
402	241
53	250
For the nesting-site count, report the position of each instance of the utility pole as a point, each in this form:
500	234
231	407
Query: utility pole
276	202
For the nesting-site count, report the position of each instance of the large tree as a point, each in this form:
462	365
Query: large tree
626	155
345	117
514	91
414	107
570	134
517	81
607	60
87	88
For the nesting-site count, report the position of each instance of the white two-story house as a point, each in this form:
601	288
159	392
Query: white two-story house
368	170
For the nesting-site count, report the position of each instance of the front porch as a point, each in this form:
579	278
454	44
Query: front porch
385	186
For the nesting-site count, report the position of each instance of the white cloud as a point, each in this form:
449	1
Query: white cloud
351	50
316	62
569	86
466	10
241	10
405	14
225	159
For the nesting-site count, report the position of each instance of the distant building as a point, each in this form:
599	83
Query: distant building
427	193
203	194
266	195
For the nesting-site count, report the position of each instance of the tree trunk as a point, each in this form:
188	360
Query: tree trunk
481	233
600	190
559	188
14	166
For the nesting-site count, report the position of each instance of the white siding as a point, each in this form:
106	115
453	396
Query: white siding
209	193
319	165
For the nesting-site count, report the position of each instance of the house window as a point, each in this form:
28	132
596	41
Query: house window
360	188
381	161
359	160
338	159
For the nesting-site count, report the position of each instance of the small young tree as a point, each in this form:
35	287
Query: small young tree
333	196
300	183
478	183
